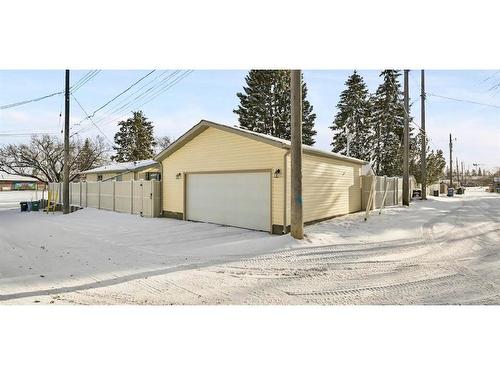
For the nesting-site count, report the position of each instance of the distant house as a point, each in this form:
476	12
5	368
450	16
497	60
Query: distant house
134	170
14	182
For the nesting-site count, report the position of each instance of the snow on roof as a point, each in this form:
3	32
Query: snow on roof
14	177
131	166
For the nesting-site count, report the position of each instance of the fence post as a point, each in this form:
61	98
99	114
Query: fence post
113	195
80	204
86	194
99	195
151	197
370	197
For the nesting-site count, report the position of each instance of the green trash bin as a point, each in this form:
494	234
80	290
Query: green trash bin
35	205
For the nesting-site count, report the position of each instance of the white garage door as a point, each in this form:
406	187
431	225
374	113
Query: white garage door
236	199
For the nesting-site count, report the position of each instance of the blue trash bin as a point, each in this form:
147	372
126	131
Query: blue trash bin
450	192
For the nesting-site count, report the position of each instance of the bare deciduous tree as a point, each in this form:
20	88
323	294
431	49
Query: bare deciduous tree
43	157
162	143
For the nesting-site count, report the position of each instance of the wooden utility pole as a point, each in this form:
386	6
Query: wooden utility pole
297	222
464	180
66	148
423	158
451	162
406	135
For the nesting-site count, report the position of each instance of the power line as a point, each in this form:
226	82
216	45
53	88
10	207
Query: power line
84	77
157	93
116	97
491	76
16	104
465	101
166	86
85	112
422	131
120	104
24	134
177	80
83	82
132	102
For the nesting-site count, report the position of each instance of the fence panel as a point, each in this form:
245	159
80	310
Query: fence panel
156	185
123	200
138	197
92	194
74	197
394	190
106	196
83	190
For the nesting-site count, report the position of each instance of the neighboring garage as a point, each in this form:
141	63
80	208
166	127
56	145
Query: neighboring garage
134	170
226	175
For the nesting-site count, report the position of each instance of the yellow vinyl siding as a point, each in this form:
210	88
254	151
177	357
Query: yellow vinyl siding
329	187
217	150
91	177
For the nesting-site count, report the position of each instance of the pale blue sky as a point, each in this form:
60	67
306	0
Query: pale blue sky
212	95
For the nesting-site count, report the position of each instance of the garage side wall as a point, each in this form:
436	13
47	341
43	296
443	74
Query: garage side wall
217	150
329	188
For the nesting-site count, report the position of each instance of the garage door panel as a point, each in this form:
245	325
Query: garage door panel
237	199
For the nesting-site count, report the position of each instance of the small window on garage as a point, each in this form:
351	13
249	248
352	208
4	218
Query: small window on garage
119	177
156	176
99	177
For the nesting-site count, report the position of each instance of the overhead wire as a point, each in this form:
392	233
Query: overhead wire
16	104
116	97
147	96
153	94
464	100
85	112
130	103
83	82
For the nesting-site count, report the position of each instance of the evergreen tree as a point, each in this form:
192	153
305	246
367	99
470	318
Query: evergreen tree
91	153
265	105
134	140
479	172
353	118
387	123
436	164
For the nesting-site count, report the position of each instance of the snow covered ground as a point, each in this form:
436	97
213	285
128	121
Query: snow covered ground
441	251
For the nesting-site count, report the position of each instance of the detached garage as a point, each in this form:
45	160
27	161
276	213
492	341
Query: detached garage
227	175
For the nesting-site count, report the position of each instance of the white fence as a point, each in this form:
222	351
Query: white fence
394	191
394	187
135	197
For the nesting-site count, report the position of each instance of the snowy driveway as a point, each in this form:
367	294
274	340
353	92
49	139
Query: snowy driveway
50	253
444	250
